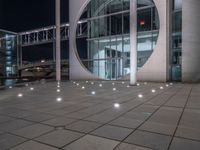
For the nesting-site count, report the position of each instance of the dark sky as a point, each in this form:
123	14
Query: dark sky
22	15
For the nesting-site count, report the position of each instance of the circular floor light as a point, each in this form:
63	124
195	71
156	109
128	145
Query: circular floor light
32	88
20	95
59	99
161	87
93	92
140	95
116	105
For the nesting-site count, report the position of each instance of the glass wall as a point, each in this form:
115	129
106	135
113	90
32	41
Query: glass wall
108	36
8	54
176	46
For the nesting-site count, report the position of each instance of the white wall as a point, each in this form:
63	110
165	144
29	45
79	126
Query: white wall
155	68
77	69
191	41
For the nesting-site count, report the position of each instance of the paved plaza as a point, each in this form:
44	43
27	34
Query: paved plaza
100	115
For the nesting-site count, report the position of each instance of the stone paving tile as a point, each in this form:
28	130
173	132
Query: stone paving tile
33	131
189	126
193	102
151	140
8	141
32	145
39	117
184	144
83	126
112	132
78	115
90	142
126	122
125	146
59	138
59	121
14	125
159	100
1	132
164	121
5	119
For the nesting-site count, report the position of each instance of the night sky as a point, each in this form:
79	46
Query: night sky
22	15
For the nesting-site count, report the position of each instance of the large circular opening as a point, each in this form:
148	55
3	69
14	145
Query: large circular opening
103	41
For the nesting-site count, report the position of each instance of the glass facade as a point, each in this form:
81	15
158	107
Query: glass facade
8	54
108	36
176	45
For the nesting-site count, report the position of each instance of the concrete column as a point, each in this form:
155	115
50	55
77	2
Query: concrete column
133	42
58	42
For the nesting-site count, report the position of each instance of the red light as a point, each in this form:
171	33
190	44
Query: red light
142	23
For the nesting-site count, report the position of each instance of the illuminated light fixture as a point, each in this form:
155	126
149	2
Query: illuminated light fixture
77	84
138	84
167	85
83	88
161	87
171	83
79	22
116	105
10	87
145	83
92	83
20	95
128	86
86	81
114	89
59	99
58	90
58	86
142	23
42	61
113	83
93	92
140	96
123	82
153	90
26	84
32	89
74	82
100	85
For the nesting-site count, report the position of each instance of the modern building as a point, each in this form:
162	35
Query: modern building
8	53
168	40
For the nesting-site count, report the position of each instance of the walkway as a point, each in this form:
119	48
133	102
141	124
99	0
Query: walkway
100	116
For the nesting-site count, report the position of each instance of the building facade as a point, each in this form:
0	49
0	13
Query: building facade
8	54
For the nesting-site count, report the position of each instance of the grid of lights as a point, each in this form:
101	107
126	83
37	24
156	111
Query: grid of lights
116	105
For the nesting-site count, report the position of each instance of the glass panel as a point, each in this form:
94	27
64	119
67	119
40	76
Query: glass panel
144	20
126	21
126	4
144	3
116	24
115	6
177	22
177	4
